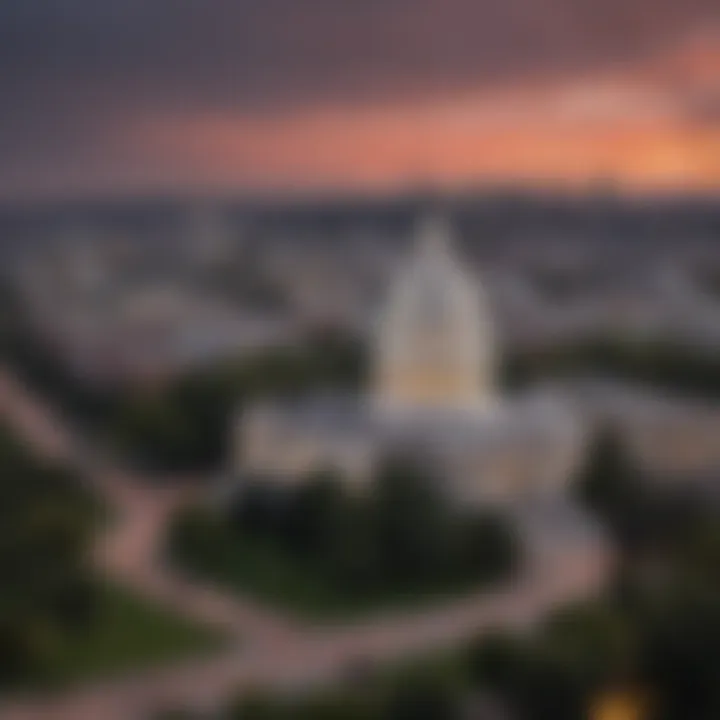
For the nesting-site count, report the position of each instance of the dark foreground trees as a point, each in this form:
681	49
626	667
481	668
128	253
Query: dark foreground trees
60	620
46	590
417	696
399	538
652	639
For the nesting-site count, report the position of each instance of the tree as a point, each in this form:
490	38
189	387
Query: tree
497	661
489	545
681	659
609	479
424	696
396	536
413	522
48	592
310	524
153	432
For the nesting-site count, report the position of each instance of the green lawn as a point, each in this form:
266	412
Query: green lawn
132	633
320	552
265	572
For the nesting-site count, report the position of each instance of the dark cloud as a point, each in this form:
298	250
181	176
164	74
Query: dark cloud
73	71
252	51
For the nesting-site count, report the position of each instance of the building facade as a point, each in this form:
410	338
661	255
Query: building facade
433	398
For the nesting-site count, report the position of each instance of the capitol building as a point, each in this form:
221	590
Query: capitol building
433	398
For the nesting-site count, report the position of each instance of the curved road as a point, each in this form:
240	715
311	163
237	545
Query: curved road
265	648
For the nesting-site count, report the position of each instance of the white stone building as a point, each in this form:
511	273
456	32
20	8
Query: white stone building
433	397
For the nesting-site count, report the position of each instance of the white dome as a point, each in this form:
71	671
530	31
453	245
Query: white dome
434	345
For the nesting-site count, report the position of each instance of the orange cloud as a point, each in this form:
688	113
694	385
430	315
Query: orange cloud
655	125
635	137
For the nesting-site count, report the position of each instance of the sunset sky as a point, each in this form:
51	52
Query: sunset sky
100	96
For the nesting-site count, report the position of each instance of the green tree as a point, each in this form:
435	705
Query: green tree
310	524
609	479
413	522
48	592
424	696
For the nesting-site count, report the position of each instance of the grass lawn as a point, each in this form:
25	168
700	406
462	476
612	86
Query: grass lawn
264	571
132	633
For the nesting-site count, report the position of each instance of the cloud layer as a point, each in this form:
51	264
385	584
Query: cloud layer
141	93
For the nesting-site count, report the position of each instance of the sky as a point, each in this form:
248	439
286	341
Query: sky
108	97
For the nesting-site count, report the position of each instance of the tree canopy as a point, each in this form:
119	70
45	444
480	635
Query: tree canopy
398	536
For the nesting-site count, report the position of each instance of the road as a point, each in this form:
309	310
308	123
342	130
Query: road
265	648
